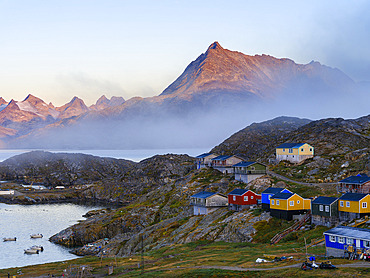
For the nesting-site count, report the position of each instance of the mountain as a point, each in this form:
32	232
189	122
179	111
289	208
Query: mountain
218	93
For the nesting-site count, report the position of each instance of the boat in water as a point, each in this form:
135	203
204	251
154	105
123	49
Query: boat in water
36	236
31	251
9	239
38	247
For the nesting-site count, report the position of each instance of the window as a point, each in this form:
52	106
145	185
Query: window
277	202
350	241
290	150
321	208
283	150
246	198
302	150
298	202
327	209
291	203
253	168
364	205
272	202
332	239
347	204
366	244
341	239
341	203
251	197
234	198
310	149
269	196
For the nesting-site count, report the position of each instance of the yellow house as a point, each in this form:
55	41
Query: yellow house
285	205
294	152
353	205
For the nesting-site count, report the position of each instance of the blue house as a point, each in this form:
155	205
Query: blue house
341	239
266	195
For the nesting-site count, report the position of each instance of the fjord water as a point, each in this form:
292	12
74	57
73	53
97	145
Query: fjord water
22	221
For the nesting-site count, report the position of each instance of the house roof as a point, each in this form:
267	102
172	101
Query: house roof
290	145
282	196
361	179
352	232
246	163
352	196
203	155
322	200
203	194
238	191
221	157
273	190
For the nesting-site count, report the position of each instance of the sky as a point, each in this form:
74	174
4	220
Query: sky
59	49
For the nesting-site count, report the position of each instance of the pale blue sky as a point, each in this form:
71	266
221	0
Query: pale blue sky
58	49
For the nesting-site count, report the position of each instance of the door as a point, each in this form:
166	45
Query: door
358	243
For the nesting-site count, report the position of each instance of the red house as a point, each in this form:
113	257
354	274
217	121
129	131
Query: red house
242	198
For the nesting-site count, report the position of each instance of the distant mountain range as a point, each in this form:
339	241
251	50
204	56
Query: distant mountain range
218	93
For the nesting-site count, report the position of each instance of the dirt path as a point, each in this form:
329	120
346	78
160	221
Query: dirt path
271	173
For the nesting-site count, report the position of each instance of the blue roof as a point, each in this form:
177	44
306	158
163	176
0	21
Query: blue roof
352	232
273	190
222	157
203	194
238	191
203	155
283	196
244	163
356	179
352	196
322	200
290	145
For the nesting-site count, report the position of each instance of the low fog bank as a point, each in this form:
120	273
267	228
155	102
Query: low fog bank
191	124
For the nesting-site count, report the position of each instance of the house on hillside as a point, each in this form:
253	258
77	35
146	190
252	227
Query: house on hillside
205	202
225	163
204	160
294	152
246	171
325	211
353	206
285	205
341	239
242	198
354	184
268	193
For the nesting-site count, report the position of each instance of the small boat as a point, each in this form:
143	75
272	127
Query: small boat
9	239
36	236
37	247
31	251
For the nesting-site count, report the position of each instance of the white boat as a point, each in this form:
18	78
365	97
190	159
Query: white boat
9	239
37	247
31	251
36	236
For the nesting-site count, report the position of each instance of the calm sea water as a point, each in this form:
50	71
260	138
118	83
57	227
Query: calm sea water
22	221
134	155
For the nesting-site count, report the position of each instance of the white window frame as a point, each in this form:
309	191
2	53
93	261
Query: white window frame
327	208
277	202
341	203
298	202
234	198
272	202
364	205
269	197
302	150
245	198
348	204
251	197
341	240
366	243
350	241
321	208
332	239
291	203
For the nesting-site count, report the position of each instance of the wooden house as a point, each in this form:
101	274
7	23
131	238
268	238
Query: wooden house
294	152
242	198
285	205
353	205
205	202
267	193
225	163
339	240
325	211
246	171
354	184
204	160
